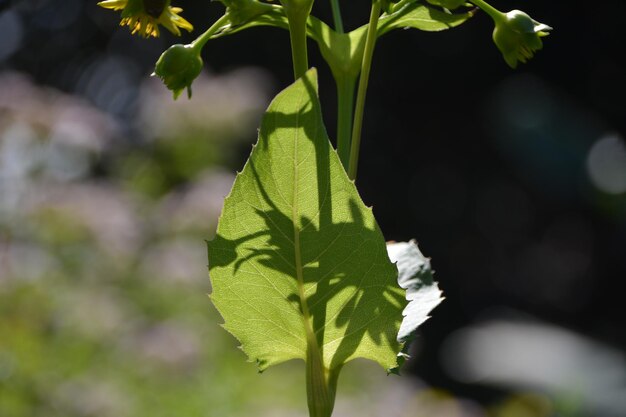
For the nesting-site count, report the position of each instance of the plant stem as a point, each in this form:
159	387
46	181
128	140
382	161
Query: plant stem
201	40
366	65
489	9
298	50
338	22
345	111
298	13
321	385
399	5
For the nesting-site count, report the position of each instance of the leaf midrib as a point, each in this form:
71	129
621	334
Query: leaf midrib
310	336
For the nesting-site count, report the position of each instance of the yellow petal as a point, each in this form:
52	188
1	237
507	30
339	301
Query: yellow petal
181	22
113	4
169	25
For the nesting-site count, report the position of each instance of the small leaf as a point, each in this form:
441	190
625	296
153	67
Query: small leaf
343	52
298	262
422	17
270	17
422	293
448	4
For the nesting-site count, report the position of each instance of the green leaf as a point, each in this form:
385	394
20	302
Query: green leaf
416	277
272	17
299	265
342	51
422	17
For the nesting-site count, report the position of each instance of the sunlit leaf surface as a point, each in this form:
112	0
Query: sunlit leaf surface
297	253
422	17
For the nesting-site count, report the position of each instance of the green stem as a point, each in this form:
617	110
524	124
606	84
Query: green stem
215	27
489	9
299	52
345	111
399	5
297	14
366	65
321	385
338	22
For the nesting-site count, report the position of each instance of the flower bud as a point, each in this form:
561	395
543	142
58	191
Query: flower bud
518	36
178	67
448	4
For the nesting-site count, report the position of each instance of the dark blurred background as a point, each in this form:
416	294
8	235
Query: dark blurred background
512	181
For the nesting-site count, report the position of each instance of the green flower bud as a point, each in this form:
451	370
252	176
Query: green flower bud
448	4
178	67
518	36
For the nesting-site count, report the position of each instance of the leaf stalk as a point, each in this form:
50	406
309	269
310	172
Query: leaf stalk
337	21
494	13
366	65
321	385
298	12
201	40
346	86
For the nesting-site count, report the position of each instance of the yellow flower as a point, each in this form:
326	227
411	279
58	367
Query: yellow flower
145	16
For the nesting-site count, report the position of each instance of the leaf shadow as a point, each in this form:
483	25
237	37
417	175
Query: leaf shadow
342	264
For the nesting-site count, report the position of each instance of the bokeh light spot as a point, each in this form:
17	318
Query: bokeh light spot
11	33
606	164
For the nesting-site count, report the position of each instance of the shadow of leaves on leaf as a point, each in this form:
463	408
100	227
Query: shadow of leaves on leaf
294	224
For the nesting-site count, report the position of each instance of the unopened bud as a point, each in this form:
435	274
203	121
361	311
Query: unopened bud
518	36
178	67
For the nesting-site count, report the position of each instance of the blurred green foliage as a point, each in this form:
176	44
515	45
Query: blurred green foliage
103	283
103	305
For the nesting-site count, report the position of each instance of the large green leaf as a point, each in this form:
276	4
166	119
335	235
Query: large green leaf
298	261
